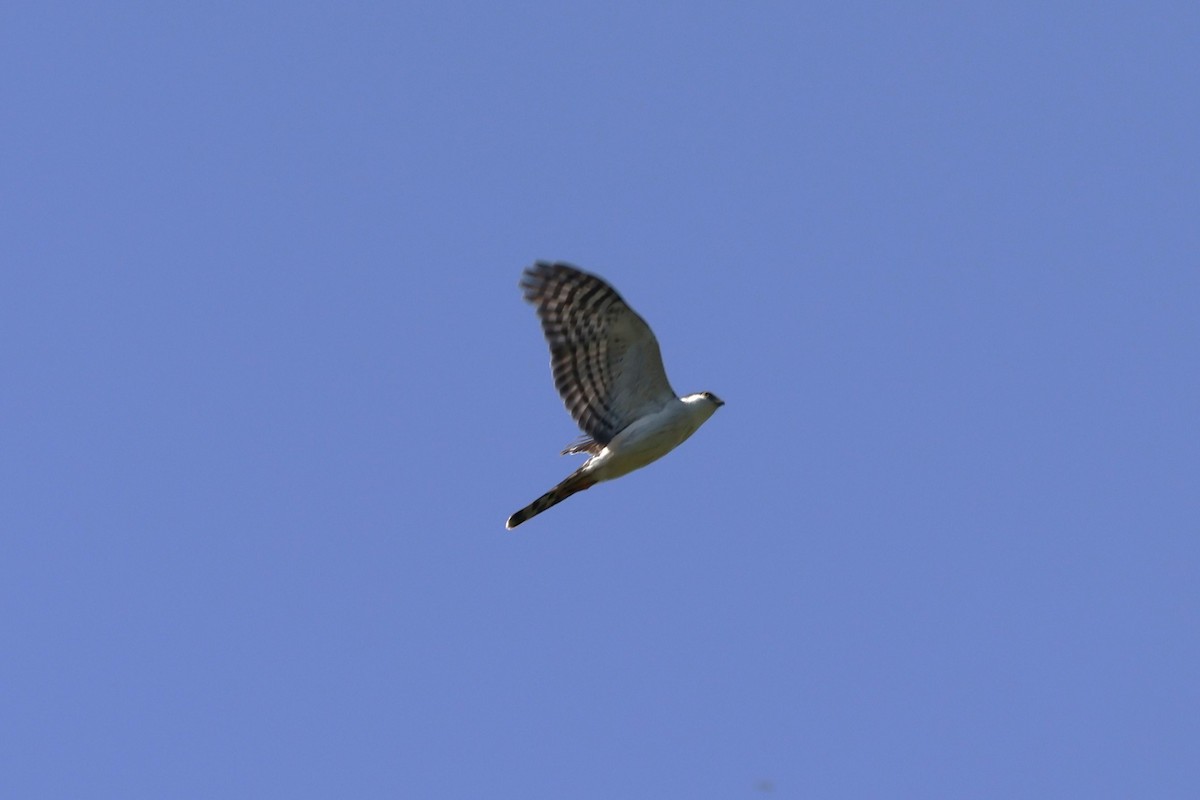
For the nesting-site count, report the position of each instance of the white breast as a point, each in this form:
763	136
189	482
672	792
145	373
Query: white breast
649	439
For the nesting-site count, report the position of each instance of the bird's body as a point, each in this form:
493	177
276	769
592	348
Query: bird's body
650	438
607	368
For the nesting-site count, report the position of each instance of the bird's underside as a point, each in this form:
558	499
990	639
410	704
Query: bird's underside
608	370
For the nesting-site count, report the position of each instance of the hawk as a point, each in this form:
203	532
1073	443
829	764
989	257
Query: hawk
608	369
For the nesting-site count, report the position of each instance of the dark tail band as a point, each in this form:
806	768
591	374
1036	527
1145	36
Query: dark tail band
575	482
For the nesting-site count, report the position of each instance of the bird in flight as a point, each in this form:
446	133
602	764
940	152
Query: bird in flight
608	369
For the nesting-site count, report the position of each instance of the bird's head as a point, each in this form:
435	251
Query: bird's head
710	398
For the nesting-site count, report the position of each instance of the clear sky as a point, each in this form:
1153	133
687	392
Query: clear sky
270	392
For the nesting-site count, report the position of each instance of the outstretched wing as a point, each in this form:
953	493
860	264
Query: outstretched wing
605	359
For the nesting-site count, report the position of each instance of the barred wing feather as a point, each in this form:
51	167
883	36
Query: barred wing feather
605	359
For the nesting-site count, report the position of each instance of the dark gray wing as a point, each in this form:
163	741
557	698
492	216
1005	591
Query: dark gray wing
604	357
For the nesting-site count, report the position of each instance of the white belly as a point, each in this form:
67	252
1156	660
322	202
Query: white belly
646	440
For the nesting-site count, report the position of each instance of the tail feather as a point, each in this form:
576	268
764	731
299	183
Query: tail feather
575	482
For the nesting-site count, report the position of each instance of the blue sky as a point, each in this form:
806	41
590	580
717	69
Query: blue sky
271	392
